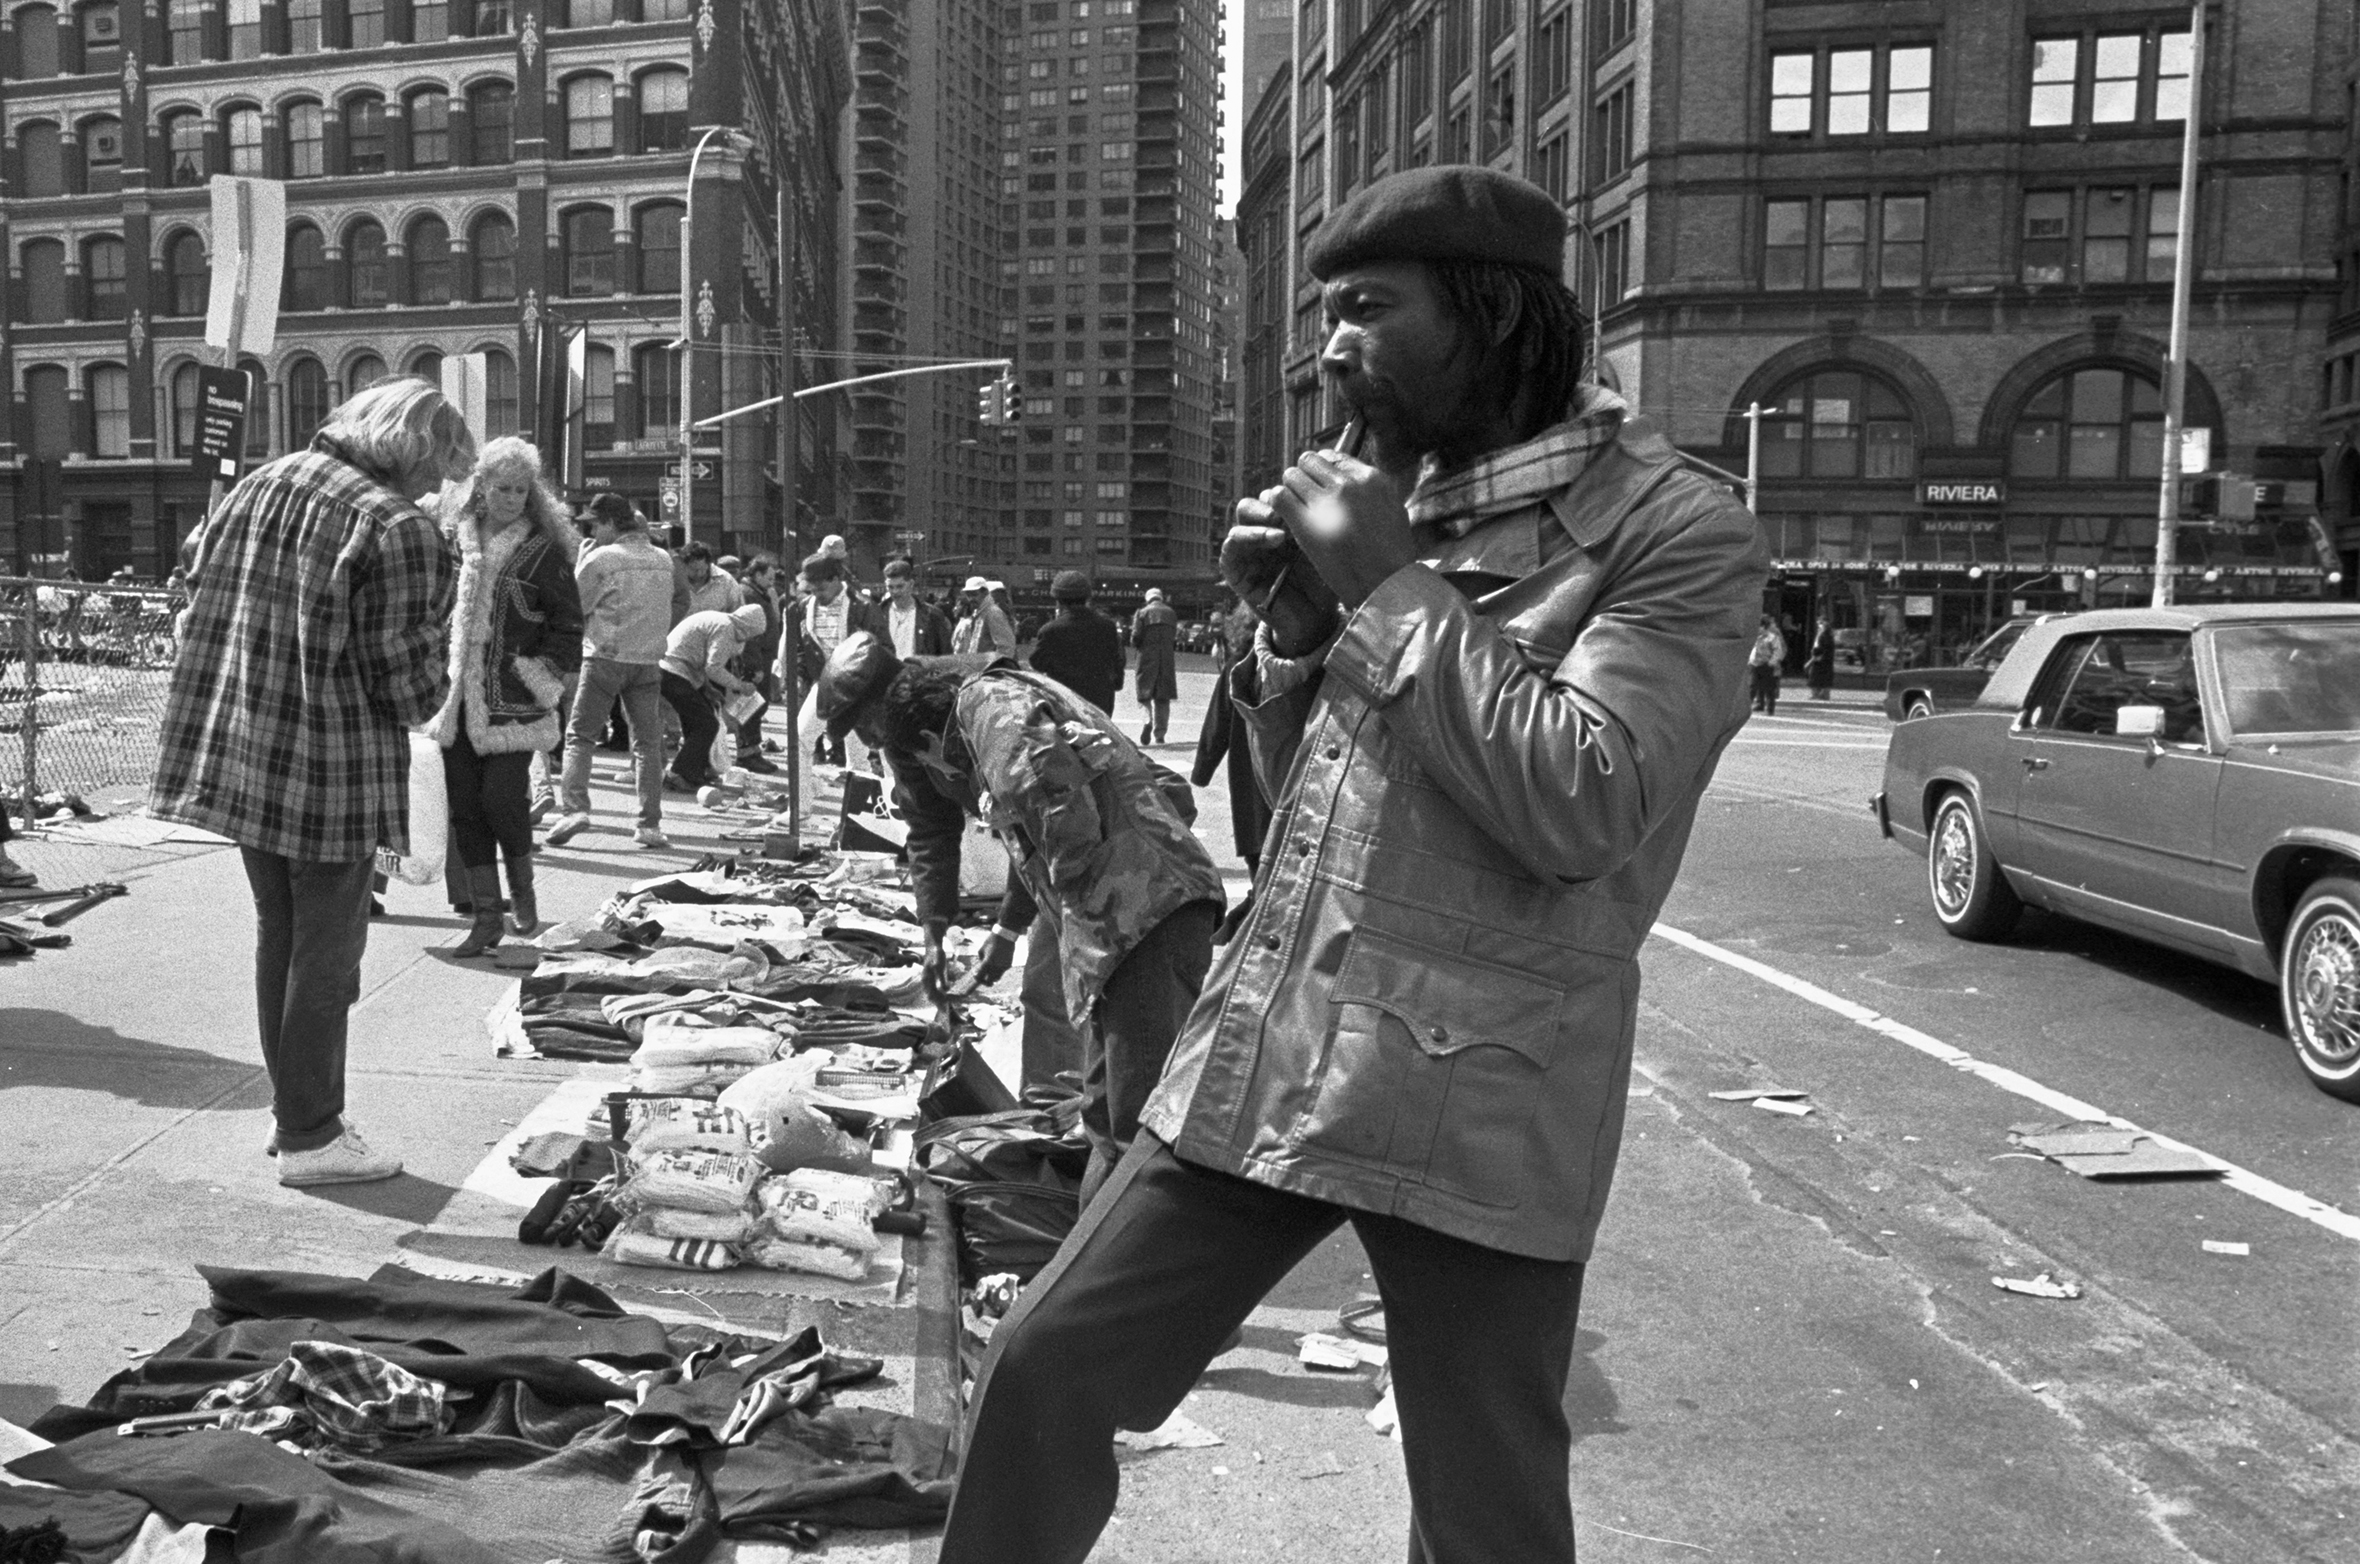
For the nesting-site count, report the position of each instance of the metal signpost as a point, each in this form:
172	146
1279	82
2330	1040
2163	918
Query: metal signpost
249	244
2175	384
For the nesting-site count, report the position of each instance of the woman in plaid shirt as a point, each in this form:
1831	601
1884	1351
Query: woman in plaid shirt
313	641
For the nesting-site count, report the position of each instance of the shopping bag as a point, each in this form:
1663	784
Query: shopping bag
430	818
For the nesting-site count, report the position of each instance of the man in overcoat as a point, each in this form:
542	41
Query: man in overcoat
1501	653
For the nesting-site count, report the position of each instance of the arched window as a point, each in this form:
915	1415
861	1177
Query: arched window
491	117
367	266
589	117
110	410
257	408
362	373
658	234
663	111
188	282
184	147
430	128
657	370
102	154
307	401
589	253
1839	424
53	426
305	279
433	274
102	37
102	279
241	135
364	134
36	42
589	13
41	156
598	398
45	280
307	140
2104	424
492	244
185	399
500	407
427	365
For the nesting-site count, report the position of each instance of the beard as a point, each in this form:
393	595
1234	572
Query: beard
1401	429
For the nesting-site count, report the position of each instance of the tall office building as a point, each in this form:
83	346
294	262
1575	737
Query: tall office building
1934	245
1109	158
1269	44
927	251
461	176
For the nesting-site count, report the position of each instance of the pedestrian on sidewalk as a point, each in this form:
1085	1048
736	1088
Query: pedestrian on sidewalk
316	638
1767	660
915	627
1096	833
758	662
1155	632
515	637
709	586
696	663
982	627
625	585
824	616
1819	669
1222	748
1498	662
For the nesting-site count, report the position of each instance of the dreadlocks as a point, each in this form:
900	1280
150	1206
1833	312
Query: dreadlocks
1532	333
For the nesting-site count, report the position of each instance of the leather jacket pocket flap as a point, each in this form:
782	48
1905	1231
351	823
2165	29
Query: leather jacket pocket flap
1451	1003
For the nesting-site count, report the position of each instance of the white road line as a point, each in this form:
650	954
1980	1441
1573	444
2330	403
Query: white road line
1782	743
2245	1181
1863	726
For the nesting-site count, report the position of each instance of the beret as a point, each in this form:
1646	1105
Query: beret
1454	212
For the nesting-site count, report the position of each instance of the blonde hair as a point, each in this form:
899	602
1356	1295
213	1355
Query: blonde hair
509	454
402	428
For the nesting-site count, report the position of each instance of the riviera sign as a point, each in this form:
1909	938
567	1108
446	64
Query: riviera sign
1961	491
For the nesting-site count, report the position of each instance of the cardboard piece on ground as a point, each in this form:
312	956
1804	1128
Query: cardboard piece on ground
2041	1286
2224	1246
1318	1349
1756	1093
1177	1432
2102	1151
1793	1110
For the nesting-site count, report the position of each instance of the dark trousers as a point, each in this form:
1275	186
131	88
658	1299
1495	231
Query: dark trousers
1164	1265
749	733
1139	1014
491	802
1765	677
1052	1045
311	925
698	723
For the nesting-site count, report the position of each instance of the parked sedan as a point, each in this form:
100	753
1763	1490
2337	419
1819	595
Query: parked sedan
1911	693
2187	775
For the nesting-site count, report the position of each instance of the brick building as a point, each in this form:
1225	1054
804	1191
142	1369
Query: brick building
1933	242
461	177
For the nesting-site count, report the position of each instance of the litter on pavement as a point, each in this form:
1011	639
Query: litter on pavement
2042	1286
1319	1350
1756	1094
2225	1246
2105	1151
1792	1109
1177	1432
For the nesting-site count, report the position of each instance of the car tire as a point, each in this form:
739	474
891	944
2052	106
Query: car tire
2319	986
1971	896
1918	705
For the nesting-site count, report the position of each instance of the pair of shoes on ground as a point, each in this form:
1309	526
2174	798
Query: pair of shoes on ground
348	1159
674	782
570	826
15	876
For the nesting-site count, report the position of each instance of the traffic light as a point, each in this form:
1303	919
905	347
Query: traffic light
990	405
1011	405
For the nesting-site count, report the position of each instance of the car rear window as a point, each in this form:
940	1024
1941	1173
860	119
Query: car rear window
2291	678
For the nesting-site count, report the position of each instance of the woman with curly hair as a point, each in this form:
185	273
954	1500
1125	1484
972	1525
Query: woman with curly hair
516	636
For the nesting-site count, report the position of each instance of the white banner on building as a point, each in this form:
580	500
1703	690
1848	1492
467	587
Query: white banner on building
464	386
249	245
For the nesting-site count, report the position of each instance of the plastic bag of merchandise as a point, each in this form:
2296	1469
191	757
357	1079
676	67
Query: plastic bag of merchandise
687	1124
429	814
817	1221
788	1132
718	1182
733	1229
635	1242
668	1041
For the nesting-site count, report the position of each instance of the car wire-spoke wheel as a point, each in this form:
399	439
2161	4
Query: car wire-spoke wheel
1920	706
1951	866
2323	992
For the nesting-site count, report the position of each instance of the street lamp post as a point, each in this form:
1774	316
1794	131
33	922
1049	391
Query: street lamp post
2175	373
688	394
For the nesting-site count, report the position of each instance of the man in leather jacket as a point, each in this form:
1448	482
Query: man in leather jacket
1098	841
1502	648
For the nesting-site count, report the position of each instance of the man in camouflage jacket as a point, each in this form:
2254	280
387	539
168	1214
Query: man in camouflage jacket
1098	839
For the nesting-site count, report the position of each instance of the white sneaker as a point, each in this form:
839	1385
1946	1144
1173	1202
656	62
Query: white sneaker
567	828
345	1160
649	836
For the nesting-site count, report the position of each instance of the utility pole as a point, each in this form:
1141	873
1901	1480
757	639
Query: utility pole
1753	456
2175	382
789	460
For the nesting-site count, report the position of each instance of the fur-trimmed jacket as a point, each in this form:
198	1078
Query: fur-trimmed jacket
516	636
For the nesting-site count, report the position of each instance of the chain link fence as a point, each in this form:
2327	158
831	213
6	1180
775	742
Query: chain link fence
83	670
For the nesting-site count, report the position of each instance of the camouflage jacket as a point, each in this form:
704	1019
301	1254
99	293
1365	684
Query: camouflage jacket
1096	833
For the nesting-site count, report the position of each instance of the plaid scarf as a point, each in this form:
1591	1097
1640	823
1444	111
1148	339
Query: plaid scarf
1454	503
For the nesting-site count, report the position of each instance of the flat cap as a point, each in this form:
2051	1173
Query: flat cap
1448	213
1071	586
